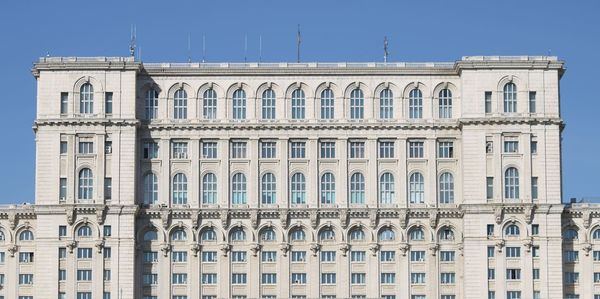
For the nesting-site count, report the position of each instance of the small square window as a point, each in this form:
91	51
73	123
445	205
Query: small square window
62	230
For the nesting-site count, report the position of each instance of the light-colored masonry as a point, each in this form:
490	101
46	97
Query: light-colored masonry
299	180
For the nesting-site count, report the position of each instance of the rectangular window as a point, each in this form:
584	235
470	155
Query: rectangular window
25	278
25	257
298	278
417	297
532	101
209	150
535	229
269	278
596	256
150	257
448	278
107	230
513	295
108	147
179	150
268	256
150	279
415	149
62	253
327	150
297	150
328	256
106	295
84	295
571	277
445	149
489	187
490	251
238	278
84	275
513	274
86	147
490	230
62	275
447	256
491	295
64	102
534	145
268	149
179	278
238	256
357	256
488	101
417	256
357	150
448	297
535	251
534	187
107	253
84	253
513	252
107	188
209	256
62	230
63	147
328	278
417	278
298	256
596	277
238	150
358	278
491	274
62	189
387	256
536	274
511	145
571	256
386	149
179	256
106	275
388	278
150	150
209	278
108	103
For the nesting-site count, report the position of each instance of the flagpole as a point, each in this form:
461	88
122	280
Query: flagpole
298	54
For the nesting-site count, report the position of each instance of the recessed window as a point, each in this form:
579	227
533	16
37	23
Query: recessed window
357	104
86	146
327	104
357	188
62	192
239	104
107	188
534	187
415	104
64	102
327	150
488	101
510	98
386	149
445	149
268	104
180	189
532	102
511	145
151	104
268	188
298	189
446	188
180	102
357	149
150	188
268	149
209	188
297	150
209	104
386	104
238	150
387	190
327	188
298	104
489	187
179	150
209	150
108	103
238	189
445	103
86	99
150	150
511	183
415	149
416	188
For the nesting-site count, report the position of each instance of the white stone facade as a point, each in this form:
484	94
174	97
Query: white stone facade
397	180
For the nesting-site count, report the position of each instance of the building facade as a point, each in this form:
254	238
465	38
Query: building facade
303	180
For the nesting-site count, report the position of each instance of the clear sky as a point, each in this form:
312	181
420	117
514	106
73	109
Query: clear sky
347	30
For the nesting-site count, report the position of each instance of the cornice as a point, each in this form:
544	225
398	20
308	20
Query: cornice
70	122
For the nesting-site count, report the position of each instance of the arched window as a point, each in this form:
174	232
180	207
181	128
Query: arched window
298	104
386	234
357	234
416	188
298	189
239	104
268	189
511	183
268	104
510	98
26	235
512	230
208	235
357	188
387	195
180	189
86	99
238	189
150	189
209	188
151	104
327	104
297	235
596	234
180	104
86	184
327	188
445	104
178	235
357	104
2	236
209	104
268	234
417	234
415	104
326	234
446	188
150	235
84	231
570	235
386	104
446	234
238	234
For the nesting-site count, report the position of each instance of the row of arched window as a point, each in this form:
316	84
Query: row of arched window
24	235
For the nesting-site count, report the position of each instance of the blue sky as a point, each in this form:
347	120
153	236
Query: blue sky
331	31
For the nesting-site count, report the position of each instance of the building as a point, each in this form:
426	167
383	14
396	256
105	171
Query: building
299	180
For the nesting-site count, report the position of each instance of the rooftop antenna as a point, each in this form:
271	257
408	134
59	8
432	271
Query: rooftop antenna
385	49
203	48
260	48
140	53
246	48
132	41
189	48
299	40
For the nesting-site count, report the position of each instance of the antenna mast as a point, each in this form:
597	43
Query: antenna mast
203	49
260	48
299	41
385	49
246	48
132	41
189	48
